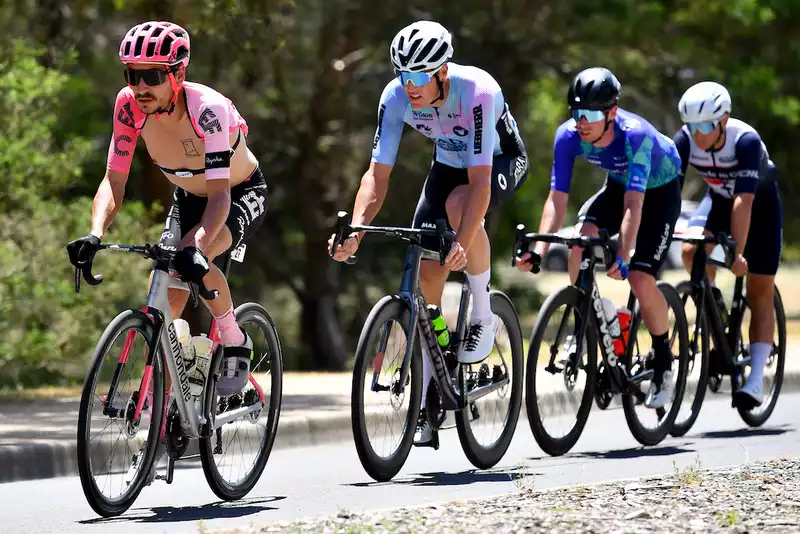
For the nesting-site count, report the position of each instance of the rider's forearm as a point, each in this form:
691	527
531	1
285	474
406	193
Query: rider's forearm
214	217
630	223
107	201
478	198
552	218
740	219
369	198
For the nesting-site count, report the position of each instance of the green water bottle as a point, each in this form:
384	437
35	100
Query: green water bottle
439	326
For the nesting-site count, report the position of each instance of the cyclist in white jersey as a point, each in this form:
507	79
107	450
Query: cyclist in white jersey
742	199
479	160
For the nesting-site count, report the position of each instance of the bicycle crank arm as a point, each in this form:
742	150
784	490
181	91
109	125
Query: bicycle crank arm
482	391
227	417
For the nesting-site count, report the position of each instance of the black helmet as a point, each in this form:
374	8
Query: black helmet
594	88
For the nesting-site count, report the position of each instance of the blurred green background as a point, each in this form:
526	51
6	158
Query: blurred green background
307	76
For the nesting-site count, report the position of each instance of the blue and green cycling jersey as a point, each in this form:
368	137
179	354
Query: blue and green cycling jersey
640	157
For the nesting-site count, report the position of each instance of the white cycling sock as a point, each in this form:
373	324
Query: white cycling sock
427	375
759	354
481	307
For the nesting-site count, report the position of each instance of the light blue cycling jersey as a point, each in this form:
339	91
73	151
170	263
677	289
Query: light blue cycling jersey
466	128
640	157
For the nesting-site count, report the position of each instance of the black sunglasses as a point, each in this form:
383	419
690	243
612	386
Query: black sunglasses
151	77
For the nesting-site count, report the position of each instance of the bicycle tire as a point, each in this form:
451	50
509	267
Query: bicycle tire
379	468
756	420
246	313
681	427
486	457
569	296
122	323
646	436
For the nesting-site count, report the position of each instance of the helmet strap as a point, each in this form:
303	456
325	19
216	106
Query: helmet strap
440	85
174	99
605	129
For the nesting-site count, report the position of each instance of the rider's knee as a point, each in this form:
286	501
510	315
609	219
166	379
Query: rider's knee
641	282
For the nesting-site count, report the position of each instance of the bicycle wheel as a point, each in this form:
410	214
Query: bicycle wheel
483	446
636	414
759	415
236	454
560	381
697	372
128	458
376	377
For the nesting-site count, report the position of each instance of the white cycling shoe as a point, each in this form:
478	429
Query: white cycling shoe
659	393
479	342
751	394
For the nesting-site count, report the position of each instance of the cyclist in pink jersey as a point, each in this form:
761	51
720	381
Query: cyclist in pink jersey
197	138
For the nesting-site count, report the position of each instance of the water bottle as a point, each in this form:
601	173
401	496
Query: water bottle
197	378
619	325
439	326
185	341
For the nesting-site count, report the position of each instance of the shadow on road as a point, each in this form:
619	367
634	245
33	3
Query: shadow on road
462	478
174	514
636	452
746	432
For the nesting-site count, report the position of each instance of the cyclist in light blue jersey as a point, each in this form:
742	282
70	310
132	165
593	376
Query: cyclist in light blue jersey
641	199
479	160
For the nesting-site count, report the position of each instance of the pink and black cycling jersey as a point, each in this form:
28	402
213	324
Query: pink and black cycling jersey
213	118
466	128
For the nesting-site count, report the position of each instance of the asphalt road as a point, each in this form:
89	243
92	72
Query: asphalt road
322	480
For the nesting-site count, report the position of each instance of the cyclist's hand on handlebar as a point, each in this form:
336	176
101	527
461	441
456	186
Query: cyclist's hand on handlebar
739	267
457	257
529	261
619	269
347	248
191	264
82	250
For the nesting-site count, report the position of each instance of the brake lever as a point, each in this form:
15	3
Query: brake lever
342	227
519	244
446	239
608	256
91	279
205	293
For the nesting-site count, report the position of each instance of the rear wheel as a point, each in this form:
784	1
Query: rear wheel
235	455
638	416
775	364
486	426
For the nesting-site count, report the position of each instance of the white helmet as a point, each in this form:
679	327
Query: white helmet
704	102
422	46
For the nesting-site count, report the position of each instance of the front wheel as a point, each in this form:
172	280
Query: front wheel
113	470
384	406
235	455
486	426
697	372
560	375
637	415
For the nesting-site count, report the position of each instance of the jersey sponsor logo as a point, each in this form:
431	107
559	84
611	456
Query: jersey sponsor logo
454	115
727	159
381	111
118	140
459	131
218	160
422	115
453	145
209	122
424	128
477	112
125	115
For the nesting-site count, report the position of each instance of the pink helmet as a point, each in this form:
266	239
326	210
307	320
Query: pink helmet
155	42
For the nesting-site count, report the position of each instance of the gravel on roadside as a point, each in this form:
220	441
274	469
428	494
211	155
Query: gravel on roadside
754	497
